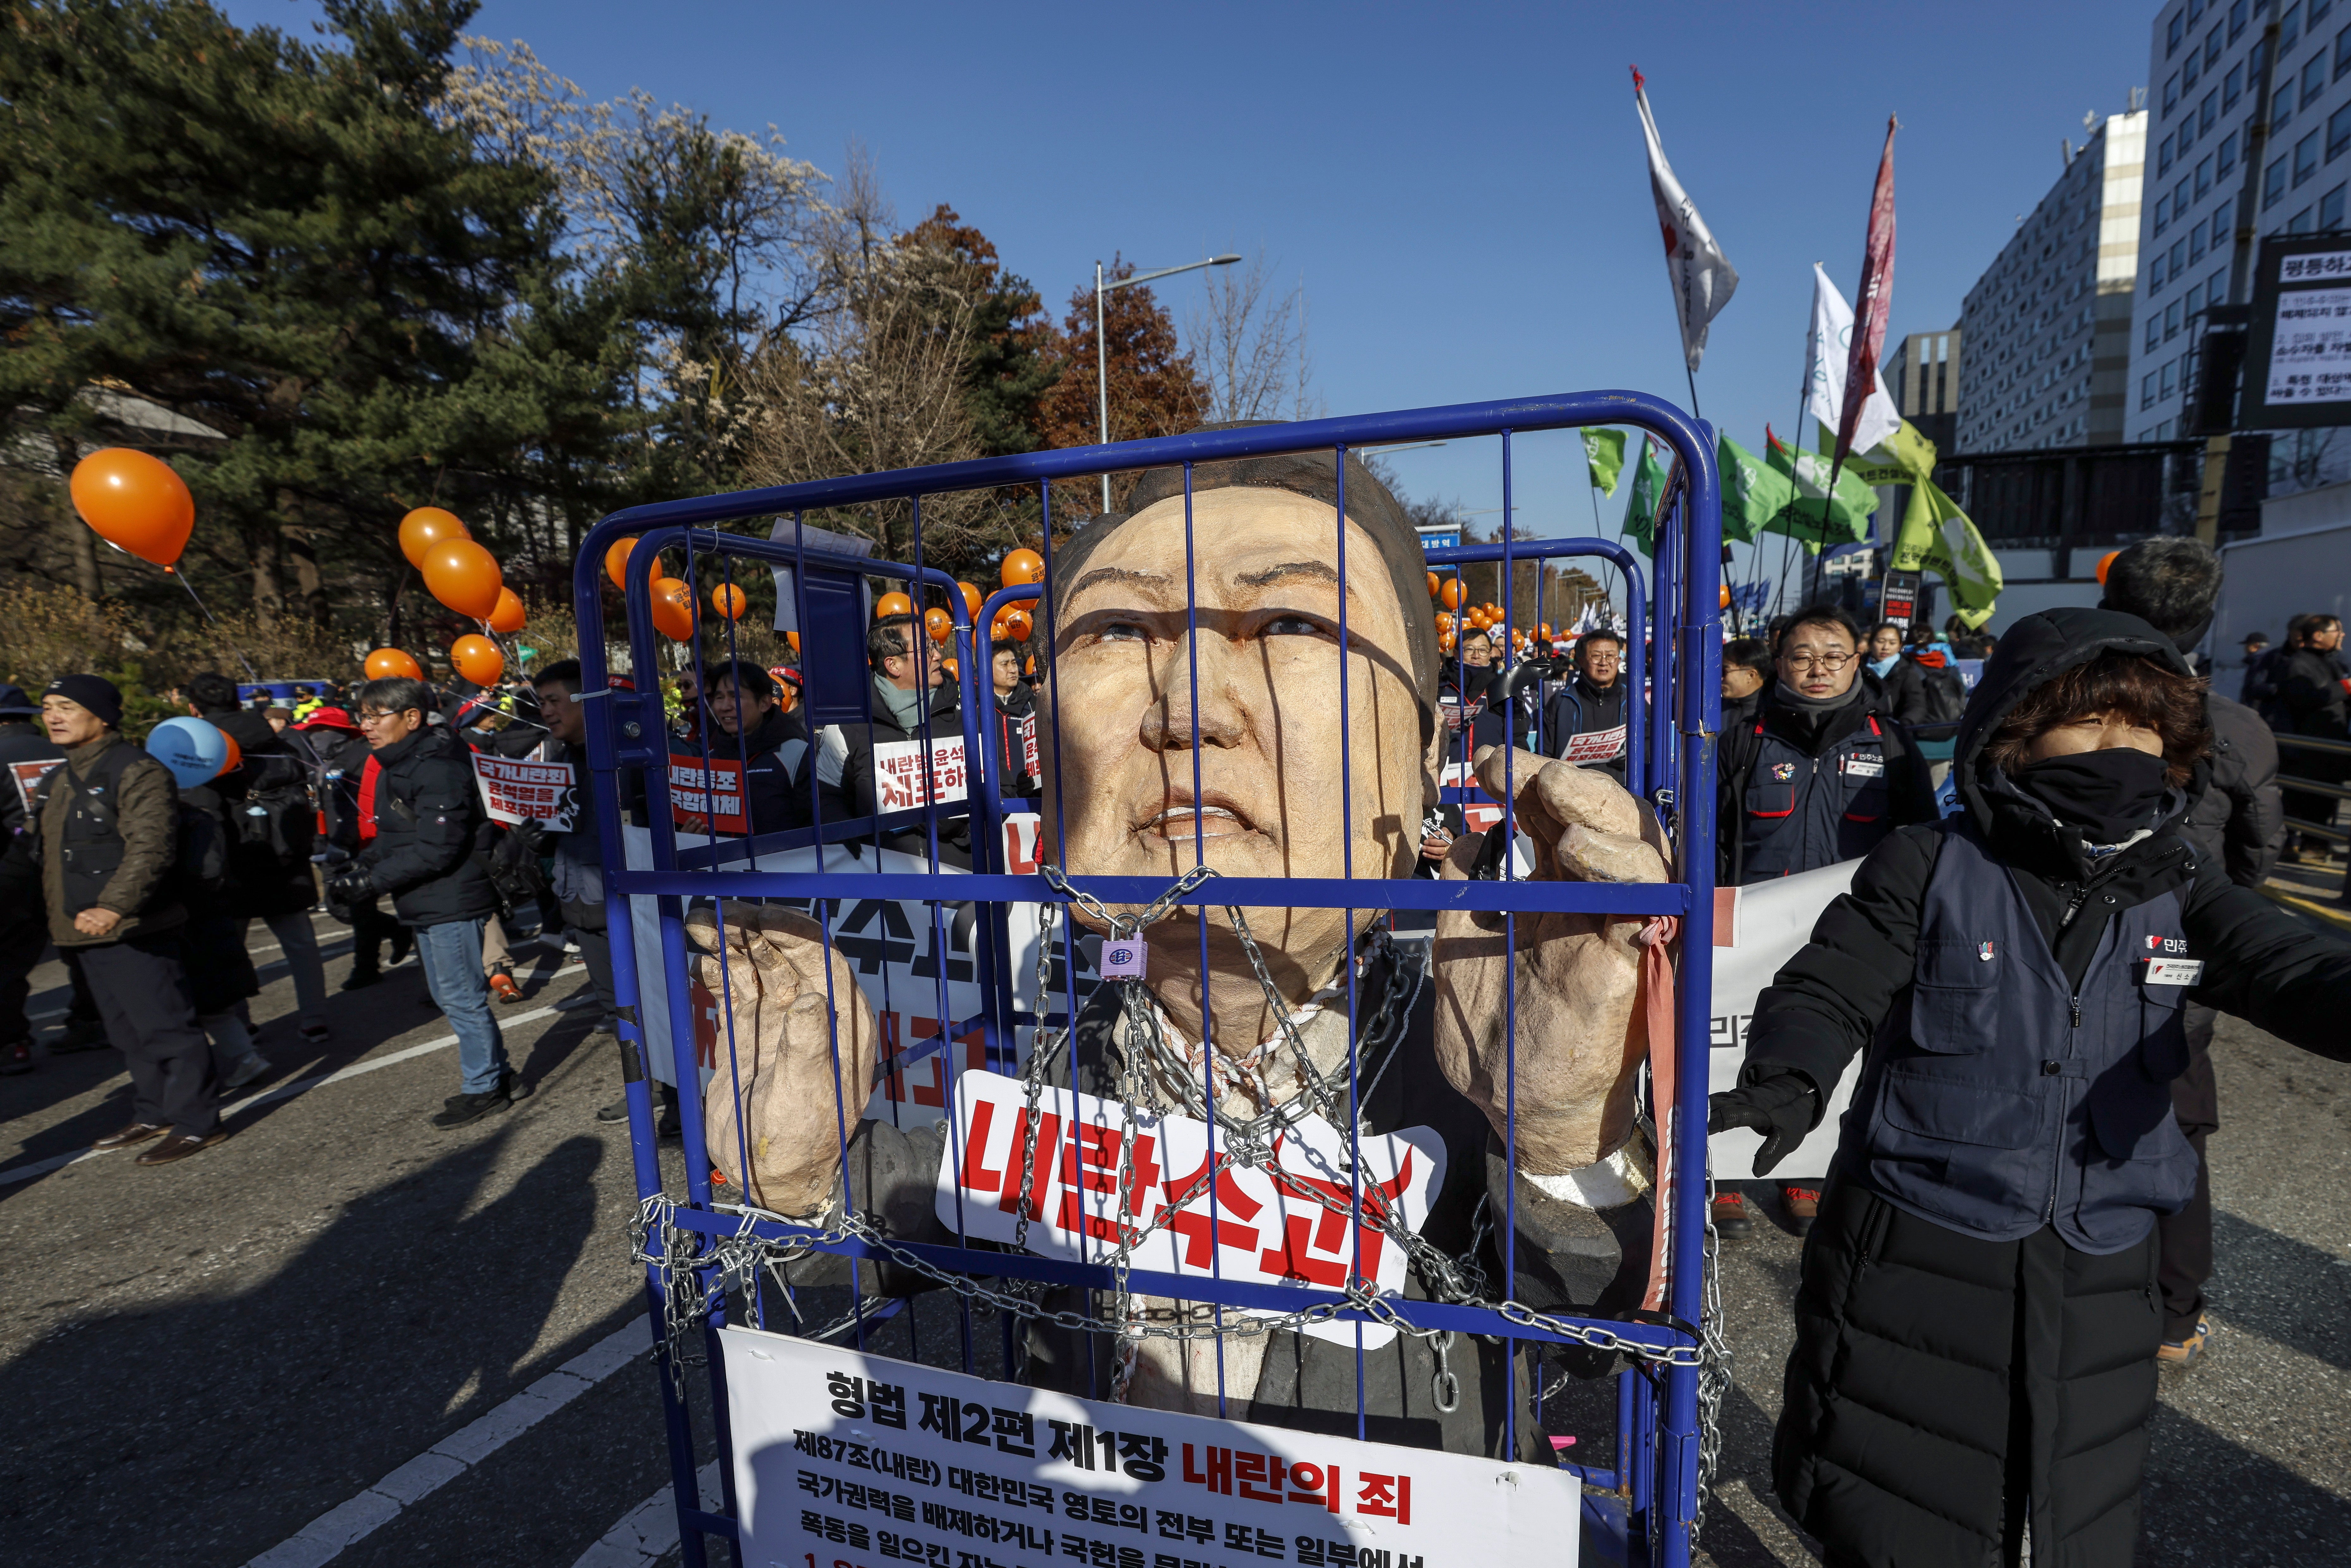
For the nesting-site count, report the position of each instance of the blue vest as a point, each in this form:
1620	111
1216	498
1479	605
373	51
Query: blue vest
1800	812
2005	1099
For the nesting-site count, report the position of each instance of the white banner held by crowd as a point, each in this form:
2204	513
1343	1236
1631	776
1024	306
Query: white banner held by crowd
898	773
842	1458
518	791
1769	922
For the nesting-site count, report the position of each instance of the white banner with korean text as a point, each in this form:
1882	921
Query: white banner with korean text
1285	1224
1759	928
848	1459
514	790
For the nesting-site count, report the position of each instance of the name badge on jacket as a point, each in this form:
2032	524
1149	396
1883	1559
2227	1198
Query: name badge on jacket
2174	971
1864	766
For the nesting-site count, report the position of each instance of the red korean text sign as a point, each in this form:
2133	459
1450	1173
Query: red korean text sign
707	797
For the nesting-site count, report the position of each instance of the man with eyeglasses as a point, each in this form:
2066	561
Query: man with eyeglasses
427	816
1819	774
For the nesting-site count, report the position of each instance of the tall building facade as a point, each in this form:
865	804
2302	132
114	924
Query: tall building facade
2209	57
1924	373
2048	326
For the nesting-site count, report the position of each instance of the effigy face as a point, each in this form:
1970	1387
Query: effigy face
1275	741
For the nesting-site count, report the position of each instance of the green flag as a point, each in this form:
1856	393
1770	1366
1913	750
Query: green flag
1848	514
1937	536
1753	492
1603	454
1893	461
1649	493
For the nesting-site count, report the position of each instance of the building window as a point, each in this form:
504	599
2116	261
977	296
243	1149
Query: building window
2289	30
2210	115
2305	158
2342	52
2303	221
2237	17
2232	87
2213	43
2191	71
2178	256
2195	302
2281	108
2273	185
2330	211
2170	381
2154	331
2318	10
2220	227
2338	133
2171	321
2203	176
2180	199
2226	159
2314	80
2196	243
2217	290
2178	30
2170	94
2162	213
2146	391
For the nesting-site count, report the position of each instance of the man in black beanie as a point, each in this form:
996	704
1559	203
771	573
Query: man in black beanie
103	831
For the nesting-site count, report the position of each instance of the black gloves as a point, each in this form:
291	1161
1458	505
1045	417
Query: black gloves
1781	1106
352	888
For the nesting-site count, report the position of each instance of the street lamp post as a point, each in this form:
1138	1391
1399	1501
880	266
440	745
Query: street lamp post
1102	353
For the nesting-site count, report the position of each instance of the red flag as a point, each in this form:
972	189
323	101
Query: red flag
1876	301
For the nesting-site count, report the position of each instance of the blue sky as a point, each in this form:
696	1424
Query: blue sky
1462	189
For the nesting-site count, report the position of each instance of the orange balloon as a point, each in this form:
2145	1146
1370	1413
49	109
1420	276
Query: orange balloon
386	662
235	756
427	527
1444	642
938	623
971	601
1432	584
794	639
1726	595
1022	566
729	600
134	502
1449	593
477	659
2105	561
464	576
508	616
672	608
616	558
950	668
891	604
1018	624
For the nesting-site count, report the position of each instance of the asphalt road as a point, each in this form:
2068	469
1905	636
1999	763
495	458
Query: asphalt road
198	1362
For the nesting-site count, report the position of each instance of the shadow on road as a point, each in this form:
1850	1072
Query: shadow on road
221	1426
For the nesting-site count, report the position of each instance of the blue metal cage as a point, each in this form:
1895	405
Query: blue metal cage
1643	1505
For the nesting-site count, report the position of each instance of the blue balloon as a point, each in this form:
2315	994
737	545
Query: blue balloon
193	749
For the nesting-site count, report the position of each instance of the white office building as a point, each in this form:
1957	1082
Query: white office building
2047	326
2206	57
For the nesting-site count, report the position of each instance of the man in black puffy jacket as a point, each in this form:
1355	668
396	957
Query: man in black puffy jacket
2172	584
428	817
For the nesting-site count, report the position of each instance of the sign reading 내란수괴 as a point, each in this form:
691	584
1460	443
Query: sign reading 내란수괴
844	1461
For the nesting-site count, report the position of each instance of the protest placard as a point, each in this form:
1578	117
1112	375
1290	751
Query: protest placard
709	797
898	783
847	1458
28	776
1273	1225
517	791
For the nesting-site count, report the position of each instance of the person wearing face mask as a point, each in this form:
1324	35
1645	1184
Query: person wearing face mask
1977	1318
1901	689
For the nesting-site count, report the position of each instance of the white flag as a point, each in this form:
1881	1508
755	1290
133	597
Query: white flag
1825	353
1702	275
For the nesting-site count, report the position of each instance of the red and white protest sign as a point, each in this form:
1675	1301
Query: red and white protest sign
515	791
1596	746
1477	815
715	795
28	776
1271	1225
898	781
840	1458
1029	747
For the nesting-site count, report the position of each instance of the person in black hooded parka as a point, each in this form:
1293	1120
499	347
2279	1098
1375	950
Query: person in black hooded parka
1978	1316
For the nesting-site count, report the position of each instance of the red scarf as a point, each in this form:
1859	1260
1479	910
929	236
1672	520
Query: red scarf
367	799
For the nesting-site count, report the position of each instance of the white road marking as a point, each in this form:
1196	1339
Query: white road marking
288	1091
323	1539
647	1532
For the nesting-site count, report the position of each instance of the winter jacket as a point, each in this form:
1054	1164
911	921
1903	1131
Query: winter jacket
1901	691
1014	710
2260	688
1801	789
857	787
272	816
2238	823
1578	708
109	832
20	741
2312	697
2012	1130
775	771
212	944
428	823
